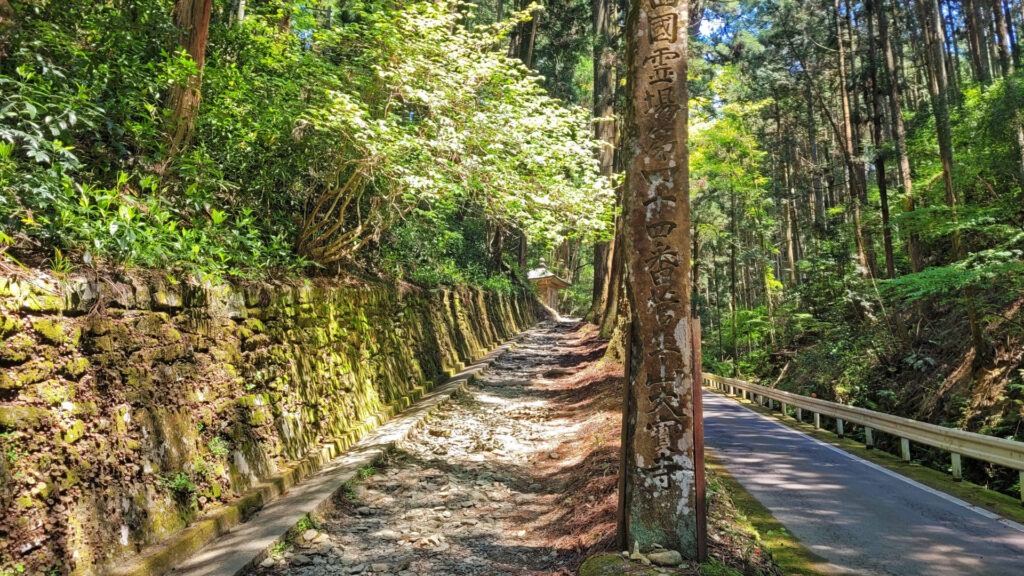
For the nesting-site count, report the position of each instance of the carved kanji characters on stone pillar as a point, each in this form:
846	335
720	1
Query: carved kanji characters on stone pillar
662	465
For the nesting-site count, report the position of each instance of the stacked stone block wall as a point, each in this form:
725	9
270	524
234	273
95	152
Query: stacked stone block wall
131	406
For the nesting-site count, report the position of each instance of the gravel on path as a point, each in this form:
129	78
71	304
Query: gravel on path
489	485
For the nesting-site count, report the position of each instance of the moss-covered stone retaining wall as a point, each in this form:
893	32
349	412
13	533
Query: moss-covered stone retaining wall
131	406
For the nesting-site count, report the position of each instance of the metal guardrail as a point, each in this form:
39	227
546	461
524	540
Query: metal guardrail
958	443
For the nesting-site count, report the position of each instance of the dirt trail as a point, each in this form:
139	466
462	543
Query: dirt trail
515	477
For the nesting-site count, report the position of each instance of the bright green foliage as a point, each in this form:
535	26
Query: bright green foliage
446	124
811	307
731	216
416	130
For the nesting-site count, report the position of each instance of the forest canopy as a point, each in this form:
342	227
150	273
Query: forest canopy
270	135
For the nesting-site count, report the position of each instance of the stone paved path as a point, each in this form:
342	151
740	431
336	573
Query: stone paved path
470	493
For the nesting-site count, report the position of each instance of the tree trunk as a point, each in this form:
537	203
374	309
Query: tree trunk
854	170
1011	33
616	277
1003	35
877	108
524	37
929	16
192	18
899	133
240	13
952	52
497	249
733	289
662	463
812	136
523	245
604	132
978	32
988	23
1020	144
791	257
515	37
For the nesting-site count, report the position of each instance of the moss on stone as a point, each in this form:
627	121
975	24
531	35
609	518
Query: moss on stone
17	349
50	330
27	502
74	432
318	362
43	302
27	374
55	391
122	417
23	417
614	565
102	344
76	367
165	298
9	324
99	325
85	409
70	480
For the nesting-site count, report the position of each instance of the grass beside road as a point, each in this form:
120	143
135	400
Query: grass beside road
787	550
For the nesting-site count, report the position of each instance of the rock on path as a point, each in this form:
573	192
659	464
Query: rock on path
470	492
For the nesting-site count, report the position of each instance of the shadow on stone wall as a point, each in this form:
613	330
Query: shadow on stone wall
131	406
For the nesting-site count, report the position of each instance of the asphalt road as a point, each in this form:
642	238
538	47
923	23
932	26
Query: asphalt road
860	517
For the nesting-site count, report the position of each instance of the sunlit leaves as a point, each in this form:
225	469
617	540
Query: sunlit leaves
444	114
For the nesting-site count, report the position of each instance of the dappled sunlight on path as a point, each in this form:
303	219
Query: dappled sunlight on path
489	484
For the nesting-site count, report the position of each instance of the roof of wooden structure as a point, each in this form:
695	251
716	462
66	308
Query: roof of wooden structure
543	276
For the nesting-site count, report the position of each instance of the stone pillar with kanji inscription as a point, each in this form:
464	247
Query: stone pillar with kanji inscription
662	459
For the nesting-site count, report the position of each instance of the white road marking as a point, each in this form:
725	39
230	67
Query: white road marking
977	510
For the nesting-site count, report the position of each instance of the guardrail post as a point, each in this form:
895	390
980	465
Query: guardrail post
1020	479
976	446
